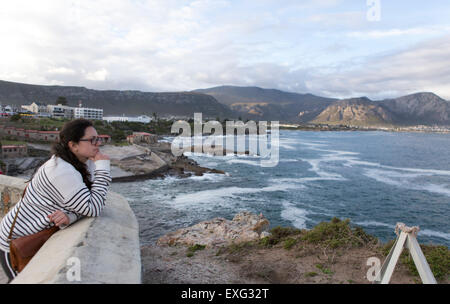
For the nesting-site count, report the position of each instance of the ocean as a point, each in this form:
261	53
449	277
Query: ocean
376	179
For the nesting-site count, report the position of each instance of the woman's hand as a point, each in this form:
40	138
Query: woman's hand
59	218
100	156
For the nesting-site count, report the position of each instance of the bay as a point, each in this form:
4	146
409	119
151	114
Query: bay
376	179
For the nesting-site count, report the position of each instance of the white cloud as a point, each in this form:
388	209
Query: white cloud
425	67
399	32
99	75
183	45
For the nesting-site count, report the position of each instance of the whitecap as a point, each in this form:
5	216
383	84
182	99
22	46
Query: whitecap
406	180
217	196
295	215
214	177
432	233
375	223
243	161
288	160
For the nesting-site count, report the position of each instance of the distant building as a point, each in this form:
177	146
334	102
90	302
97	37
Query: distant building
142	137
8	110
142	118
48	136
88	113
12	151
36	107
60	111
106	139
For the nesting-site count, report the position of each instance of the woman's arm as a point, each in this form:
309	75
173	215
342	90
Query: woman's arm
76	196
91	202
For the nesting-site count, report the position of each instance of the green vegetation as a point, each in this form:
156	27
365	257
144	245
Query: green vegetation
438	258
288	243
310	274
337	233
324	269
192	249
15	117
278	234
12	142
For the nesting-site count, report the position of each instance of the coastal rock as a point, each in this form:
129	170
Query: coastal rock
244	227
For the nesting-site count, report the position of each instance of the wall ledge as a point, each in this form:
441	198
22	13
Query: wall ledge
104	249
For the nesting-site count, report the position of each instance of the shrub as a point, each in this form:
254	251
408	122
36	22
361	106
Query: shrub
337	233
277	234
289	243
196	247
438	258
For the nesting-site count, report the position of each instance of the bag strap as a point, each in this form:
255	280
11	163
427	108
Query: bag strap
15	217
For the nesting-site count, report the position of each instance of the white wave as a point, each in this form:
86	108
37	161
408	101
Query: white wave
286	146
405	180
426	232
438	234
314	144
323	175
295	215
375	223
217	196
421	171
243	161
208	177
289	160
209	164
440	189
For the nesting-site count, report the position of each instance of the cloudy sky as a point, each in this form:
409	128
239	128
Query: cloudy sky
335	48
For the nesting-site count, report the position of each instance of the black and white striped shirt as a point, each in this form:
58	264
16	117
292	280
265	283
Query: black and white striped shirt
57	185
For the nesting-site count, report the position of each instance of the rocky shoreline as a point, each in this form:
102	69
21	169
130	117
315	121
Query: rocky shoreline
150	161
128	163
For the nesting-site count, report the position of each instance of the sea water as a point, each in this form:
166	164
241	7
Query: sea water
375	179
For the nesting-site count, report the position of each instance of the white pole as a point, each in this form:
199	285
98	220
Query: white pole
393	261
421	262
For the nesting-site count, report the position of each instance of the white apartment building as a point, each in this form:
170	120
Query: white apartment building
60	111
142	118
88	113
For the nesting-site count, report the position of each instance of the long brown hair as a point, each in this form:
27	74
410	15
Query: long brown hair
73	131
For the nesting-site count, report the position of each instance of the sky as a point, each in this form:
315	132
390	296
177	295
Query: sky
331	48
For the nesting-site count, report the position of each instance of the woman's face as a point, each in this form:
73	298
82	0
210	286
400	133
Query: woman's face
85	149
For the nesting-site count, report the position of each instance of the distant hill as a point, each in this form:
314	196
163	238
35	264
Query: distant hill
415	109
420	108
269	104
355	111
233	102
116	102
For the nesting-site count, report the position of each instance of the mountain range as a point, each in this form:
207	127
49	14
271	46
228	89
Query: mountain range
233	102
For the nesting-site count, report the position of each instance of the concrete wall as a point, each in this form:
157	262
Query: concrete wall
95	250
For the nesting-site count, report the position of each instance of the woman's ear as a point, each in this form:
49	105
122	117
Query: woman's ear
73	146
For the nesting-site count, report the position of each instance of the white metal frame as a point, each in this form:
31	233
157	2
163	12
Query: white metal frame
407	239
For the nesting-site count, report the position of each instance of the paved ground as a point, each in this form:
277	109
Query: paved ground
3	277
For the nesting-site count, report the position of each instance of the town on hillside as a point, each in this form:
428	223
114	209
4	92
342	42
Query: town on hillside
39	123
131	142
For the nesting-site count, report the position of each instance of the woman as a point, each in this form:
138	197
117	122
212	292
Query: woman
71	184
